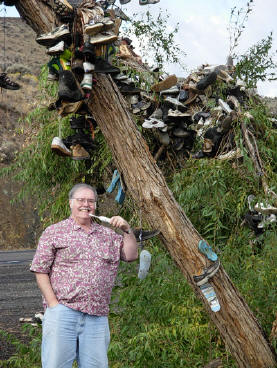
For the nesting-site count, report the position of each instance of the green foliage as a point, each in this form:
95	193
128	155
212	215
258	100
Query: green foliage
257	63
237	21
154	41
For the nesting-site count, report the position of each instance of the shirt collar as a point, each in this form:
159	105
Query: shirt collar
75	226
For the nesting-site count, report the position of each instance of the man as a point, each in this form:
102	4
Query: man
75	265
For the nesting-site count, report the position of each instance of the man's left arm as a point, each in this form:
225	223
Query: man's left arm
130	247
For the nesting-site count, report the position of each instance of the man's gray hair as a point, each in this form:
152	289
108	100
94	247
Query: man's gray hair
82	186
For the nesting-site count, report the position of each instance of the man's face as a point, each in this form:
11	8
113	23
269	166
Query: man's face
82	203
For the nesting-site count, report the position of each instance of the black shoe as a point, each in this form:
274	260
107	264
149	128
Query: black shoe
6	83
103	66
206	81
129	89
69	89
84	140
178	143
183	95
79	122
142	235
88	51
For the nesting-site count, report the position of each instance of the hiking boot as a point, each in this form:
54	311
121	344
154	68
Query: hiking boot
103	38
59	147
103	66
79	153
67	108
6	83
69	89
87	81
56	49
142	235
56	35
168	82
206	81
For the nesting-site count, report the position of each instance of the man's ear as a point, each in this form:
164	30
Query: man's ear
70	204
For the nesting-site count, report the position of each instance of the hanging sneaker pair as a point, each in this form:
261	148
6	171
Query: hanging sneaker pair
6	83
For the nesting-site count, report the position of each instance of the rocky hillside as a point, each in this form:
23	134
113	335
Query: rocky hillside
23	58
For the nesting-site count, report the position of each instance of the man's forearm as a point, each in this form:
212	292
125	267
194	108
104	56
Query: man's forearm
44	284
130	247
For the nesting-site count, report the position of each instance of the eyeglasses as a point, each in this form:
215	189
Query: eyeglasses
84	200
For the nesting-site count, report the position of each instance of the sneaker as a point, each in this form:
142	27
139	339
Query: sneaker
120	77
59	147
149	124
69	89
56	49
177	114
129	90
6	83
140	106
107	23
265	209
87	81
174	104
168	82
157	114
88	67
103	38
93	28
144	264
103	66
225	107
79	153
142	235
174	90
207	274
51	38
67	108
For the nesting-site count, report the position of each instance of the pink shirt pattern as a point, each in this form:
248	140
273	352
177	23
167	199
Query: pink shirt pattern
82	266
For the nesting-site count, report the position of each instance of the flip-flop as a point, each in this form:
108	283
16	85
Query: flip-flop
114	181
207	250
144	264
209	293
120	194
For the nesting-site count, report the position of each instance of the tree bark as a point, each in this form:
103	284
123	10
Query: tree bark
146	184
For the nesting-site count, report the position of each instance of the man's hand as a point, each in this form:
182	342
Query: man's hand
118	221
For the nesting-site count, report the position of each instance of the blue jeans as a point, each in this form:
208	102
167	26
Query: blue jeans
68	334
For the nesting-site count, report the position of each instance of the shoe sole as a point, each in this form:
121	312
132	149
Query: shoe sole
60	151
104	40
94	29
52	40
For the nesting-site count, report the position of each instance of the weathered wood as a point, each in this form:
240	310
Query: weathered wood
146	184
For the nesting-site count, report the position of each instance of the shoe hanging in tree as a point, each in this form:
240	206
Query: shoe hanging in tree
6	83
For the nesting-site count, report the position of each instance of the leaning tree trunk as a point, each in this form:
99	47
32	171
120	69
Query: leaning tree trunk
146	184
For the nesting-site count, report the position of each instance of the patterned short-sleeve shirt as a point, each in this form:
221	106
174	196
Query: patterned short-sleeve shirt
82	266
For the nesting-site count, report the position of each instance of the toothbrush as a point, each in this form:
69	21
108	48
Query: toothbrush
101	218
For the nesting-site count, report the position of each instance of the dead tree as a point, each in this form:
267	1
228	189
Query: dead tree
147	186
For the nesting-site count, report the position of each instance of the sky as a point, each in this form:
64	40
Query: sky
203	30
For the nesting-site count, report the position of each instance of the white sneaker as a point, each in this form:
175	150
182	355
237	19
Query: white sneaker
153	123
144	264
87	81
88	67
225	107
103	38
57	49
93	28
59	147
